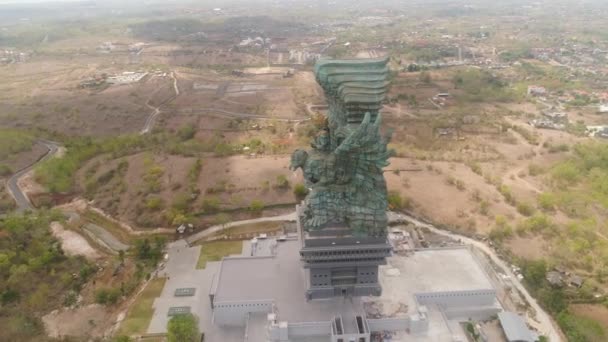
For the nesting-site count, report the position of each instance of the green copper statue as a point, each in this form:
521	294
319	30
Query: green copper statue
344	169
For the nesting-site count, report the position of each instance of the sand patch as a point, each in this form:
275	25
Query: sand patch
72	242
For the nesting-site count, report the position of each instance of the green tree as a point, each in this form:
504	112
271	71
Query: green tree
534	272
186	132
183	328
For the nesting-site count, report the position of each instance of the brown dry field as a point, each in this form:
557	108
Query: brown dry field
245	178
45	94
598	313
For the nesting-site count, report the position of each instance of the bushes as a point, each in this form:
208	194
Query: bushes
256	206
566	173
531	137
505	191
476	168
183	328
580	329
398	202
535	170
154	203
300	191
13	141
210	205
282	182
149	252
186	132
107	296
57	174
536	224
482	86
5	170
35	274
525	209
195	171
547	201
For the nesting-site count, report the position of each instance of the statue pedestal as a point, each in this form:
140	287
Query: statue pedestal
338	264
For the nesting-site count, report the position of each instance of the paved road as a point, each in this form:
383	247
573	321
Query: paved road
23	202
217	228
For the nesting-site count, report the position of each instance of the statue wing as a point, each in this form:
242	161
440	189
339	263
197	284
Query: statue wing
364	150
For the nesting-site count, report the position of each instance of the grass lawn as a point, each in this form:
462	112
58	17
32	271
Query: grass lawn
139	315
215	251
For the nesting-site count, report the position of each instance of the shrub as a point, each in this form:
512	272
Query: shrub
181	202
5	170
476	168
282	182
558	148
183	328
525	209
256	206
566	173
186	132
300	191
547	201
500	233
505	191
535	170
397	202
154	203
460	185
484	207
535	224
211	204
107	296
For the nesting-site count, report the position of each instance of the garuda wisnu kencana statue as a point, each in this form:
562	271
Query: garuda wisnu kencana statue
344	168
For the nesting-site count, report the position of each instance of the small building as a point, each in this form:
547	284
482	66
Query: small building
557	116
603	109
555	278
575	281
515	328
536	91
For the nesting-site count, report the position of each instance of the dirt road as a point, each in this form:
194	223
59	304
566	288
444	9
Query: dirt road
149	124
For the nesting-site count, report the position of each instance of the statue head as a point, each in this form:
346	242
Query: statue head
298	159
321	141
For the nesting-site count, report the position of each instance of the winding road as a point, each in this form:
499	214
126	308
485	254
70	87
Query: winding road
21	199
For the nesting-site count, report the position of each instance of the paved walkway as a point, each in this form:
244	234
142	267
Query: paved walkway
23	202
